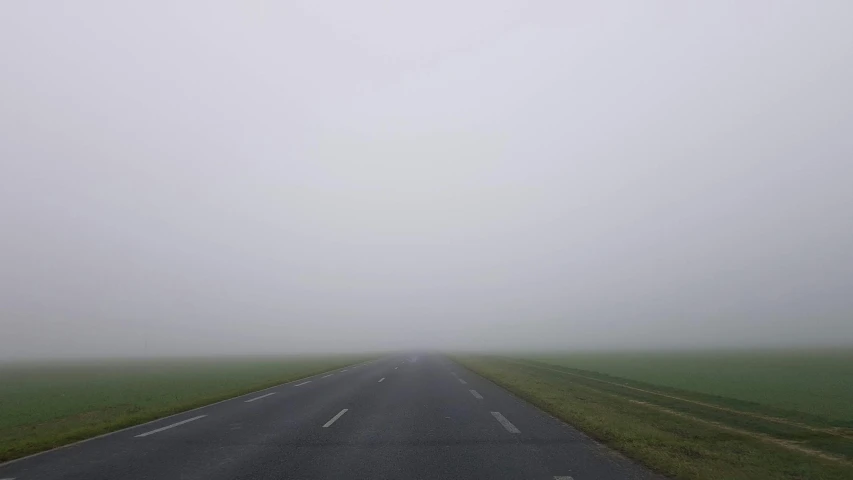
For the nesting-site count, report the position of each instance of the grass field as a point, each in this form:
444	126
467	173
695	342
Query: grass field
709	415
818	383
50	404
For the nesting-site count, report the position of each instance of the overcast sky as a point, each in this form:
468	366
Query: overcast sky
275	177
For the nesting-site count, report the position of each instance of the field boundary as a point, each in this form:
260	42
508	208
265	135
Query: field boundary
695	402
123	429
760	436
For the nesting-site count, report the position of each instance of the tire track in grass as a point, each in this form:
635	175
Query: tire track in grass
760	436
695	402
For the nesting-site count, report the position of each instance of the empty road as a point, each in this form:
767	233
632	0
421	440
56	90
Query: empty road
401	417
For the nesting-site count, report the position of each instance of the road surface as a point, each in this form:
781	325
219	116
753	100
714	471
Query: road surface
401	417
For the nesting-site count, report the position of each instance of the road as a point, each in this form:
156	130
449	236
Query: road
400	417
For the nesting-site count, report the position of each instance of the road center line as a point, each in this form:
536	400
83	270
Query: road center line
506	423
170	426
380	380
476	394
258	398
339	415
463	382
303	383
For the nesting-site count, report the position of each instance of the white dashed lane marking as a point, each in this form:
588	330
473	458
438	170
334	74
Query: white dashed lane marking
463	382
506	423
170	426
476	394
381	379
339	415
303	383
258	398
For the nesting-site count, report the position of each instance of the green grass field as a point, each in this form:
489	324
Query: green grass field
818	383
50	404
707	415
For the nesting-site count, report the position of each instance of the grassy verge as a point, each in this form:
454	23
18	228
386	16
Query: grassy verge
814	383
680	433
47	405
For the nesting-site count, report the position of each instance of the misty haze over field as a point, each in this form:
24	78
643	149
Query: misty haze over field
282	177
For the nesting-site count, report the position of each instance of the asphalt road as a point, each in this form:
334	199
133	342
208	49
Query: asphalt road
402	417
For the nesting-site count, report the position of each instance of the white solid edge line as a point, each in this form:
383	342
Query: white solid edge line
339	415
506	423
380	380
132	427
476	394
262	396
463	382
303	383
170	426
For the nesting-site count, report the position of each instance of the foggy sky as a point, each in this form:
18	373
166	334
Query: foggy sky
208	177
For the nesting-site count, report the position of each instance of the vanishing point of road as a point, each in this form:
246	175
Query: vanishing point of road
400	417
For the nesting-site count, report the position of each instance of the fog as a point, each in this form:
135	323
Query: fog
284	177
